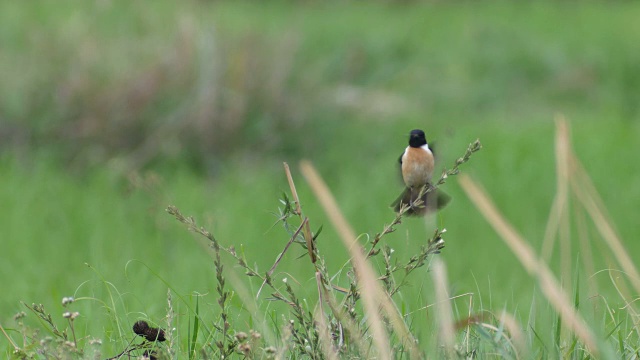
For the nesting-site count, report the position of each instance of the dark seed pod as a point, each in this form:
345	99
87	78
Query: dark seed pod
140	327
154	334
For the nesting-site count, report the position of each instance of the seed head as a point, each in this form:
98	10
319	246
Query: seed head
155	334
140	327
67	300
245	349
241	336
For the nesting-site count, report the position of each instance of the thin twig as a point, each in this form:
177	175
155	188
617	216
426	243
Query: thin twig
372	294
275	264
15	347
306	229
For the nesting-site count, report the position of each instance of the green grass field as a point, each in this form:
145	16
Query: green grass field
110	112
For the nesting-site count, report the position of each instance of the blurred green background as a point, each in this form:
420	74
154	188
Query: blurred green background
112	110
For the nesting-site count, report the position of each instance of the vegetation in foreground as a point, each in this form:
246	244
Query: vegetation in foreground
365	319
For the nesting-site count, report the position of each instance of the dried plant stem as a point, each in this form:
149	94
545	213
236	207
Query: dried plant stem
367	279
573	177
563	150
387	230
536	268
15	347
587	195
169	318
39	310
279	258
292	186
73	332
306	232
445	318
306	229
372	294
323	329
436	303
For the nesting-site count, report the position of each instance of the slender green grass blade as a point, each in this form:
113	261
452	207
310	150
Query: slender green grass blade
557	334
196	323
539	339
576	303
621	344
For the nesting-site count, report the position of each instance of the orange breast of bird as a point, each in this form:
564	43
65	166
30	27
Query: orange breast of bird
417	166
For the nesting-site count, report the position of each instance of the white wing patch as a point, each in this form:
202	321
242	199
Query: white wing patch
425	147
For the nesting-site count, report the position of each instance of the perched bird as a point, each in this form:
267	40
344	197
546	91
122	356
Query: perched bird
417	164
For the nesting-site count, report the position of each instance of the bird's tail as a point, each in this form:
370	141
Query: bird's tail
432	201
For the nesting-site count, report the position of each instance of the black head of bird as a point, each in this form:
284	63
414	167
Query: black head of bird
417	138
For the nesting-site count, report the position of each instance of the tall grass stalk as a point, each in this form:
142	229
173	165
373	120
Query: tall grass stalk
443	307
571	179
372	294
536	268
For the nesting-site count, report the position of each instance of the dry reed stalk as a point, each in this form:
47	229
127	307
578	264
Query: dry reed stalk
323	329
366	277
15	346
563	153
586	193
446	331
434	304
550	231
372	294
308	237
585	247
535	267
558	221
306	229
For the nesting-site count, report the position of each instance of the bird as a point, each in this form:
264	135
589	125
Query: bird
417	164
